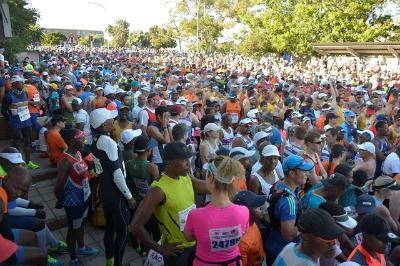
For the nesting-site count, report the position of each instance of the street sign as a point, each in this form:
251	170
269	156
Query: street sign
71	39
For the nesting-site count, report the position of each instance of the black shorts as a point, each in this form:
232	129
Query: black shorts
22	135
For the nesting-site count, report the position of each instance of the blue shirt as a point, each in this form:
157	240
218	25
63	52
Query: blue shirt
347	128
290	255
286	209
311	200
276	138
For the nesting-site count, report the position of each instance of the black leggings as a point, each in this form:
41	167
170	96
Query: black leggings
116	214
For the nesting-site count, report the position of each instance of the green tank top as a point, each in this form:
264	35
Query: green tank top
137	171
172	215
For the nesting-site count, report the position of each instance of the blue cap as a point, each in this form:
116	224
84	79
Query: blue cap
349	113
249	199
294	162
232	95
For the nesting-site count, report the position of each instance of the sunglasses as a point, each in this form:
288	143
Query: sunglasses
330	241
318	142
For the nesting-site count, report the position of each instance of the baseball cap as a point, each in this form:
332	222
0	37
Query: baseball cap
367	146
384	181
336	180
246	121
249	199
17	78
181	101
101	115
238	153
365	204
260	135
176	109
252	113
56	118
270	150
322	95
232	95
376	225
349	113
45	73
8	248
296	114
54	86
349	263
12	157
320	223
366	132
339	214
98	89
293	162
211	127
305	119
127	135
177	151
76	101
143	143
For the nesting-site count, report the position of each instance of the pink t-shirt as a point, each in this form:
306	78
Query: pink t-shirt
217	232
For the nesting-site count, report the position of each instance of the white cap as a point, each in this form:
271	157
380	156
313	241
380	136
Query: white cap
98	89
322	95
109	90
127	135
146	88
270	150
296	114
101	115
181	100
366	131
252	113
367	146
245	121
78	100
17	78
13	157
260	135
45	73
349	263
306	118
211	127
238	153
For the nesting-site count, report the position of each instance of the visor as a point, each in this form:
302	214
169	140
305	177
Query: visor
14	158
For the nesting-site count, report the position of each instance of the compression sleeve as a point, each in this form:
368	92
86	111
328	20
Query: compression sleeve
119	180
18	211
22	202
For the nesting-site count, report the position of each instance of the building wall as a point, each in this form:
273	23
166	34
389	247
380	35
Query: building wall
76	33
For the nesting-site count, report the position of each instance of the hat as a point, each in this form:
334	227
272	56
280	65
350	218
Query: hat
56	118
211	127
322	95
366	132
293	162
232	95
246	121
45	73
17	78
367	146
181	100
365	204
385	182
252	113
249	199
305	119
54	86
267	117
143	143
260	135
177	151
8	248
98	89
238	153
349	263
12	157
320	223
349	113
336	180
127	135
296	114
100	115
76	101
270	150
339	214
376	225
176	109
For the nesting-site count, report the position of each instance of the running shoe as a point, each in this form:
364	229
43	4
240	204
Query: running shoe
87	251
32	165
110	262
61	248
54	262
75	262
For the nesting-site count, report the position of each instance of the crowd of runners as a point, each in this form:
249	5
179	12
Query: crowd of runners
203	159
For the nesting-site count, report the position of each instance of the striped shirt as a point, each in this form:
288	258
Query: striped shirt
291	149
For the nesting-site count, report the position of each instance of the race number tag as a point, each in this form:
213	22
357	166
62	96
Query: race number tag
183	216
235	118
154	259
224	238
80	168
36	98
86	189
142	186
23	113
97	165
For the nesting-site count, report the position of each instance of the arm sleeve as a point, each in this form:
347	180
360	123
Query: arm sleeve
18	211
143	118
119	180
22	202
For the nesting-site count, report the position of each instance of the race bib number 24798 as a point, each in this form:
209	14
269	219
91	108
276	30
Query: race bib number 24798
224	238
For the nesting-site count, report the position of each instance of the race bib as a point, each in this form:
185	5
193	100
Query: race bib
154	259
183	216
97	165
36	98
80	168
23	113
224	238
86	189
235	118
141	186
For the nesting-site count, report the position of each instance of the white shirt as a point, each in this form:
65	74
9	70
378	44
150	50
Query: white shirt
1	58
135	113
391	165
82	117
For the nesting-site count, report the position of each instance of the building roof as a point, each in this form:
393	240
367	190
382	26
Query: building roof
359	49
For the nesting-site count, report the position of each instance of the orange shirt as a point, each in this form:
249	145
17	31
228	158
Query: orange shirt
33	95
4	199
332	169
56	145
233	108
239	184
251	247
320	123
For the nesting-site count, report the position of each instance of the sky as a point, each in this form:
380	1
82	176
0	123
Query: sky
80	14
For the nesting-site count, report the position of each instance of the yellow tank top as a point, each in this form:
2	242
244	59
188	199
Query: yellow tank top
340	116
116	134
172	215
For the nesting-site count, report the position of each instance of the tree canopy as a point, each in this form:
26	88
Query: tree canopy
53	38
119	33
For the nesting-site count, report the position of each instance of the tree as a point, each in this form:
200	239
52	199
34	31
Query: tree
24	28
119	33
293	25
95	40
53	38
138	39
161	37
